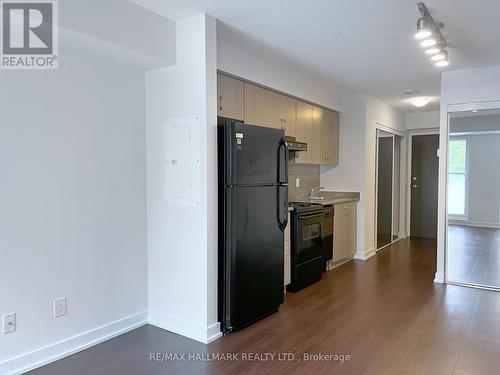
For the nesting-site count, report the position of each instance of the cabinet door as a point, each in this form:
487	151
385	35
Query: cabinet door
351	229
329	138
289	109
339	232
325	136
277	101
284	113
319	118
304	131
230	97
258	106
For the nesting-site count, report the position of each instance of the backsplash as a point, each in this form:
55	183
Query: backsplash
309	177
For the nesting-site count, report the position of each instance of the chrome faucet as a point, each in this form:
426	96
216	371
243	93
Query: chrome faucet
311	193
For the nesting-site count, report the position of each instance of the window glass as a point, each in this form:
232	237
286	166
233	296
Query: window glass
457	170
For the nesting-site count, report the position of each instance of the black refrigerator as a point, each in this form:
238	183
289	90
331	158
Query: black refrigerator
253	212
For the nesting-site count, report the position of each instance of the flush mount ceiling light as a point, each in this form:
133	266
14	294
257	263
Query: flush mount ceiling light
420	101
430	38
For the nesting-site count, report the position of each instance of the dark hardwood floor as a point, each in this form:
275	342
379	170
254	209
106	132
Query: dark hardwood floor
386	313
474	255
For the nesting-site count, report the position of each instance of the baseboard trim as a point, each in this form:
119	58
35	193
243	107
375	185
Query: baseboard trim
479	224
332	265
53	352
439	278
185	328
364	255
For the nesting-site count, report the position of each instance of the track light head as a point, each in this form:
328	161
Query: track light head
442	55
424	28
433	50
429	42
442	63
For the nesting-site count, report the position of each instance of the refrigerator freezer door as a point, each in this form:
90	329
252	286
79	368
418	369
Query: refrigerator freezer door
253	155
253	256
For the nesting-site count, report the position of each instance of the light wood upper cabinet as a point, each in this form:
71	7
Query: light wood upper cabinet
254	105
328	150
344	231
322	136
259	107
289	110
304	131
230	94
317	129
268	108
284	113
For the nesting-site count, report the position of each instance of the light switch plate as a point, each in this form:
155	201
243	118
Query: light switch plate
9	322
297	182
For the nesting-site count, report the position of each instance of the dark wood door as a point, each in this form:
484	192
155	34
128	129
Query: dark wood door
424	186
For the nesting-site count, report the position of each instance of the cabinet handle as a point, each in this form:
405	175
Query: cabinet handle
348	212
221	100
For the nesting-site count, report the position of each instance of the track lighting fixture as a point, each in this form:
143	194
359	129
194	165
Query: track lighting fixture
430	38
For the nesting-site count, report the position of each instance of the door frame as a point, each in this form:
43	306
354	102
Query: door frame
394	132
442	253
411	134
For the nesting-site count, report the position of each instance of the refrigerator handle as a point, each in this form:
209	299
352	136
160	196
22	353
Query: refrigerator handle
282	207
229	154
282	184
283	162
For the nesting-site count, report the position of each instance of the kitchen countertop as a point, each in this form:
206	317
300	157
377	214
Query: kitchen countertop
333	197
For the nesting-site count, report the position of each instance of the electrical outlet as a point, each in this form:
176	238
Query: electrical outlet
59	307
9	322
297	182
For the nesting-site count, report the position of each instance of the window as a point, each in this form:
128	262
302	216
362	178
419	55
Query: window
457	177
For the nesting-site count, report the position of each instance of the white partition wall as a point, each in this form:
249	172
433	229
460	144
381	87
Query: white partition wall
466	89
182	238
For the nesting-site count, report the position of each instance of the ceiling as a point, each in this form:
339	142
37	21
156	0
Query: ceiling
360	46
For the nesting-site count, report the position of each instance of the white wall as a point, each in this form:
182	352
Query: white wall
484	181
378	114
422	120
121	23
477	88
361	116
240	58
349	174
182	241
72	203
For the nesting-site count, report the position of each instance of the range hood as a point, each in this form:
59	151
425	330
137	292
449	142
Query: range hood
294	145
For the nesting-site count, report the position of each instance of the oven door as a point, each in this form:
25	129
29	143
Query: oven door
309	236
